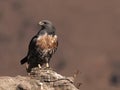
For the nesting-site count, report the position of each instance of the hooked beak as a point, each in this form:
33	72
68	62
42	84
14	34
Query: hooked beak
41	23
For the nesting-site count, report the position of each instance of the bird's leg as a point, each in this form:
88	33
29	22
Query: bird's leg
39	66
26	65
47	65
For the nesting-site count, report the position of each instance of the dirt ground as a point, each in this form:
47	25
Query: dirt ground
89	38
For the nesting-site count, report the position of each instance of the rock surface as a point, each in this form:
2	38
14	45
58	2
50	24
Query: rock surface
39	79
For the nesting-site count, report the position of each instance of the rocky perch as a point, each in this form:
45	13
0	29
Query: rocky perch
39	79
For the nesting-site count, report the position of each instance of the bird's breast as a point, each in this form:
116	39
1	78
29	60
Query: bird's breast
47	42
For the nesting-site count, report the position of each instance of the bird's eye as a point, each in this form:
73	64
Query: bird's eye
44	22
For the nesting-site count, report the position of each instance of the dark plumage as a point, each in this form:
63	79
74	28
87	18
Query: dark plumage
42	46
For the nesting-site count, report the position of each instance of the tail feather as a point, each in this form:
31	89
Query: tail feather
24	60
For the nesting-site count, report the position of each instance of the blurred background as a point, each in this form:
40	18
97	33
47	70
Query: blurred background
89	38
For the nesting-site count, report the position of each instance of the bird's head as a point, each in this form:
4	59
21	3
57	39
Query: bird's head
47	26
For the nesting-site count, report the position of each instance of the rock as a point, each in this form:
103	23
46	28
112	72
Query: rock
39	79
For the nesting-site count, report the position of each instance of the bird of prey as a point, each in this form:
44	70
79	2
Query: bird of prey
42	46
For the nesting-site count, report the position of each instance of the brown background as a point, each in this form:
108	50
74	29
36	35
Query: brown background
89	38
